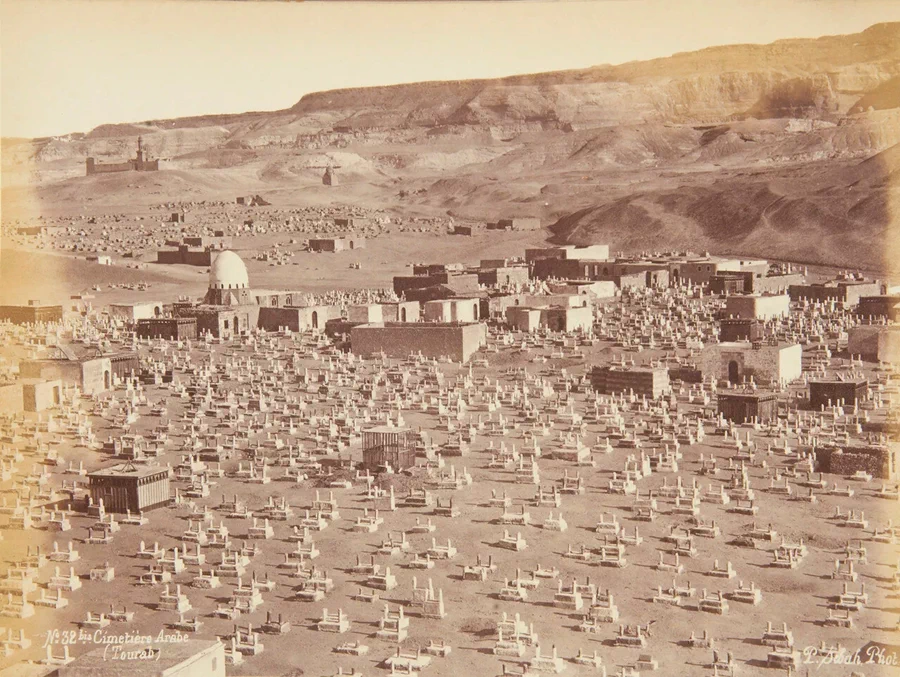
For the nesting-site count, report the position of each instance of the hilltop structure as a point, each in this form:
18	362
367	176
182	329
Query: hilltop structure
138	164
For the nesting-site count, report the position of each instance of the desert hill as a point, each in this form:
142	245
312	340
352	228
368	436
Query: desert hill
772	150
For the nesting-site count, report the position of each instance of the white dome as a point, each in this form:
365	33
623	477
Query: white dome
228	272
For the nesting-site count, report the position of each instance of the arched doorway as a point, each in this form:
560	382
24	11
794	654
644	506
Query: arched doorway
237	324
733	372
106	379
475	311
315	319
403	314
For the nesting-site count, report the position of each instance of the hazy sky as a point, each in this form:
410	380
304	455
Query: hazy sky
72	65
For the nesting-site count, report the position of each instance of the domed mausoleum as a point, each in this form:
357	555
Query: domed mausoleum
229	284
230	308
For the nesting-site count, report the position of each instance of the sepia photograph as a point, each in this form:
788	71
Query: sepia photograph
450	338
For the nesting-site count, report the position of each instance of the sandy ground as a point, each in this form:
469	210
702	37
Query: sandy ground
796	597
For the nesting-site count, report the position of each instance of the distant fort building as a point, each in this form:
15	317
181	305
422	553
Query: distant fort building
138	164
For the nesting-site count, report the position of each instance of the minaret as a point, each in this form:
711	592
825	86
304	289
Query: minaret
140	151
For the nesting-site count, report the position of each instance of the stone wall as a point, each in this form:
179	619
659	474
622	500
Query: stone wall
456	341
878	461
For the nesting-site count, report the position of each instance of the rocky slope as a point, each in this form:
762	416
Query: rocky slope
762	149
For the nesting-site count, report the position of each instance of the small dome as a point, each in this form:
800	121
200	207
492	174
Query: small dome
228	272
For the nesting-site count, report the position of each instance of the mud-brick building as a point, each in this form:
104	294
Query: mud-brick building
516	223
845	291
729	283
878	460
84	367
401	311
884	306
623	273
132	312
616	379
758	306
503	275
875	342
127	486
185	255
336	244
137	164
301	318
766	363
33	313
827	392
452	310
740	329
743	406
593	252
388	446
169	328
554	318
458	341
31	395
126	363
449	283
750	282
222	321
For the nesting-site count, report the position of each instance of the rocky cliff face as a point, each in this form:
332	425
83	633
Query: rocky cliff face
742	147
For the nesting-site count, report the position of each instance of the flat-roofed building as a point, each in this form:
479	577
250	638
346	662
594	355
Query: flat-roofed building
453	284
401	311
700	270
452	310
82	366
300	318
737	329
169	328
846	391
127	486
336	244
882	306
505	275
30	395
132	312
743	406
516	223
622	273
457	341
363	313
728	283
758	307
223	321
847	291
764	363
125	363
616	379
600	289
33	313
598	252
554	318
